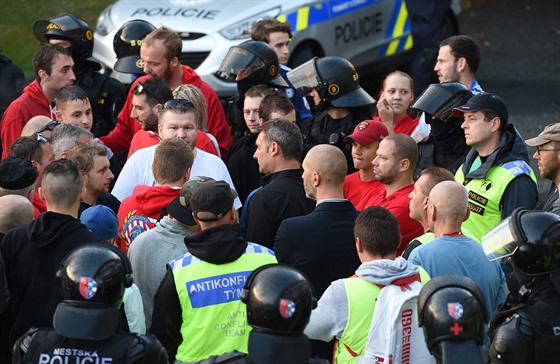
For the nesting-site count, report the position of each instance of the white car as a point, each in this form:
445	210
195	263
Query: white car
362	31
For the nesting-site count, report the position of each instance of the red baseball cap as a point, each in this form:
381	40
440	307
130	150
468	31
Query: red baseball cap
367	132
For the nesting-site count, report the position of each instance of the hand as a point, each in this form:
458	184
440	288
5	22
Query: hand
386	113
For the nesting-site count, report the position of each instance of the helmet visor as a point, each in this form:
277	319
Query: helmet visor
305	77
238	64
500	241
439	101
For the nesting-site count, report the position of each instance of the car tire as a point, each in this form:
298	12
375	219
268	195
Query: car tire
302	54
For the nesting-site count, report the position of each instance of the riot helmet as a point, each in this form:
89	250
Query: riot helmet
334	78
92	280
452	314
530	238
439	99
279	300
126	44
254	61
67	27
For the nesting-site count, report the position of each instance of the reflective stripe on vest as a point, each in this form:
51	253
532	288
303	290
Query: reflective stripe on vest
485	195
361	296
214	318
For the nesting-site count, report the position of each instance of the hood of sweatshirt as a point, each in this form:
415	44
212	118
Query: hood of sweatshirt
385	271
50	227
151	200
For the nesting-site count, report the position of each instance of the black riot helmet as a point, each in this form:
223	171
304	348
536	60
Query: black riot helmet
452	314
252	60
92	280
335	79
68	27
531	238
279	299
126	44
439	99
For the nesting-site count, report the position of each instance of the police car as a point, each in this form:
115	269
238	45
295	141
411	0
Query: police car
362	31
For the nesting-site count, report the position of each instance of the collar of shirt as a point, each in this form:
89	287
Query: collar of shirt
332	200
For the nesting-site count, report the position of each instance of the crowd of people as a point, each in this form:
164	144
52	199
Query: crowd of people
146	223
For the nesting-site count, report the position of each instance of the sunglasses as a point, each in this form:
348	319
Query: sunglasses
42	138
178	104
50	126
139	88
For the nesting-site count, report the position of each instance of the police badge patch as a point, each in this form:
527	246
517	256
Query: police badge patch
287	308
455	310
88	287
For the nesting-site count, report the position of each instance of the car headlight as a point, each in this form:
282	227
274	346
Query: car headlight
104	24
242	29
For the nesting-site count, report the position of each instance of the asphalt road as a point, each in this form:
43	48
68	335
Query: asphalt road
520	59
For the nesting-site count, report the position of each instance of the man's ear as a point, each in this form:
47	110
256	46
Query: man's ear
404	164
41	192
58	115
274	149
461	64
359	245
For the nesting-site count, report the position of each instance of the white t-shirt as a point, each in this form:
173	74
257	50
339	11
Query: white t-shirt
138	171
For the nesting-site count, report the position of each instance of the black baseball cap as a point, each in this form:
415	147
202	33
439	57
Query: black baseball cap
180	207
214	197
484	102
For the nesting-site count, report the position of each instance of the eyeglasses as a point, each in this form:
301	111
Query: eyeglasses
178	104
539	150
50	126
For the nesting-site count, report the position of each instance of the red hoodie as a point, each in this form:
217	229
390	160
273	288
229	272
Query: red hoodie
140	212
120	137
32	102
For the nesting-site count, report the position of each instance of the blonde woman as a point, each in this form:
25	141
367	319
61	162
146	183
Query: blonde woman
395	98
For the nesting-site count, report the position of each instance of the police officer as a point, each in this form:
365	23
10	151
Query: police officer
337	100
445	146
106	94
279	301
452	314
249	63
92	281
126	44
526	329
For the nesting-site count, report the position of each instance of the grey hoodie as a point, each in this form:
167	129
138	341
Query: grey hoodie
329	319
149	254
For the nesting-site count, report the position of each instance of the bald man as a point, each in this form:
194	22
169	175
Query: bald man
454	253
15	210
321	243
39	124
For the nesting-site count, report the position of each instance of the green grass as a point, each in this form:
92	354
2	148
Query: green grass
18	16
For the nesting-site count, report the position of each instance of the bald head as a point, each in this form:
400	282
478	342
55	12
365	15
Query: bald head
450	200
329	161
34	124
15	210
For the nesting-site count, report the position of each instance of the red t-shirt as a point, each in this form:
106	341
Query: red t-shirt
120	137
397	203
355	189
405	126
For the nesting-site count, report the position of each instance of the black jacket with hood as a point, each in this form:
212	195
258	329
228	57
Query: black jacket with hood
32	255
522	190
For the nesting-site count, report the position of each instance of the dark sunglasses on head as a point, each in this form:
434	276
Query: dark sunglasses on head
139	88
178	104
50	126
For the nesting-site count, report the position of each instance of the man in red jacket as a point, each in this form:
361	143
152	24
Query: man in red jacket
161	53
53	70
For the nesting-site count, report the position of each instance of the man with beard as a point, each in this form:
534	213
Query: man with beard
148	98
548	161
396	159
161	52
